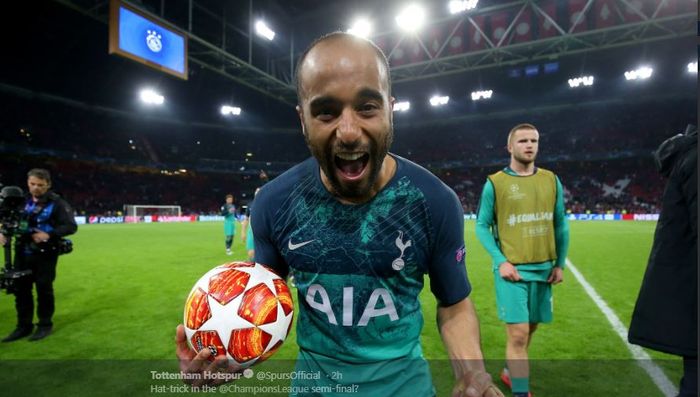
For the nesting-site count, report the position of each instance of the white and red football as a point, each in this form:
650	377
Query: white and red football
240	309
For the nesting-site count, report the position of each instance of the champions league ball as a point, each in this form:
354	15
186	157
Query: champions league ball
240	309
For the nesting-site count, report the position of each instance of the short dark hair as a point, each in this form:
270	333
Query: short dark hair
521	126
336	35
40	173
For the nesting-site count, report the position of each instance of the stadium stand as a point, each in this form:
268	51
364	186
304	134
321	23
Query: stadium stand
104	159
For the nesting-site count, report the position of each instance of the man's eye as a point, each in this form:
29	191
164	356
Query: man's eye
368	107
324	115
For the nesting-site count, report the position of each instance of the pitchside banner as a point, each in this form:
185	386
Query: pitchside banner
81	220
613	217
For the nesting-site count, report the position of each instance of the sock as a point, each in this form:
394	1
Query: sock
229	241
520	385
520	394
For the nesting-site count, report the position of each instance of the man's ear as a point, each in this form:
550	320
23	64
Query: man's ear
300	112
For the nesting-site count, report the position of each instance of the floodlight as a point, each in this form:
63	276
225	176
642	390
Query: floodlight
640	74
227	110
402	106
457	6
411	19
578	81
264	31
484	94
361	28
151	97
439	100
693	67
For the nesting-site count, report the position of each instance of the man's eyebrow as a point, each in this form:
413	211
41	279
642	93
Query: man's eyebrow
322	101
364	93
370	93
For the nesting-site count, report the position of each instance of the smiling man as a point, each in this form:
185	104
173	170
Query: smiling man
522	224
359	228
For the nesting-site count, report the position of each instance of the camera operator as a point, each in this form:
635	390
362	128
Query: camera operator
49	218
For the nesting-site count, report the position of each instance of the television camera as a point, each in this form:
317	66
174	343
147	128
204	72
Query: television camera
12	222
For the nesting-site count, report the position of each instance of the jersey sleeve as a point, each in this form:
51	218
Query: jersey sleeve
447	270
561	227
262	215
485	223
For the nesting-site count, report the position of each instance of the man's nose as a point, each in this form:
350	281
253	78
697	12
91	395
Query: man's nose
348	130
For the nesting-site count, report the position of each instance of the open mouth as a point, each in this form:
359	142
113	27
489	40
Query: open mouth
351	165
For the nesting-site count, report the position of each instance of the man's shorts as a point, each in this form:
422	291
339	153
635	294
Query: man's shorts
523	301
229	228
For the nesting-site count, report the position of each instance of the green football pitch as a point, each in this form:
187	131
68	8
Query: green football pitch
120	295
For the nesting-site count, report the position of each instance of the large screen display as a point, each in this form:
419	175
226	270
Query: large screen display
137	36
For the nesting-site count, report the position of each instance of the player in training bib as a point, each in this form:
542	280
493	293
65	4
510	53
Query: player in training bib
522	224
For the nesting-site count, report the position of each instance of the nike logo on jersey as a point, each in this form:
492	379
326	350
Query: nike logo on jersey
293	246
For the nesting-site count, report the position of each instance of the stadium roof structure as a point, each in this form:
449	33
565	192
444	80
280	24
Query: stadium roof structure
495	34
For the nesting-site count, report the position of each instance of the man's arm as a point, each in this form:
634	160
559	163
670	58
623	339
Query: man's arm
244	228
484	225
459	329
689	186
63	220
561	236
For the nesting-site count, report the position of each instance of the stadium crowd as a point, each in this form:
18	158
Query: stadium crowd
102	159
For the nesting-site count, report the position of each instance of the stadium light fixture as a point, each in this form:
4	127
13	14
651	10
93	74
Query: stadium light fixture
579	81
439	100
361	28
263	30
639	74
227	110
484	94
150	97
693	67
402	106
457	6
411	18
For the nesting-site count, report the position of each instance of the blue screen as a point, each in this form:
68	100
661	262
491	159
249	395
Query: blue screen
551	67
532	70
146	39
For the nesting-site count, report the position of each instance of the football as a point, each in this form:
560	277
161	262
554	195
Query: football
241	309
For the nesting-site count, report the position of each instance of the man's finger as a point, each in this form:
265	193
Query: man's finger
197	365
493	391
182	348
479	384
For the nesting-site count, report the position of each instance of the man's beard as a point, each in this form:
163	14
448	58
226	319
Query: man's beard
360	191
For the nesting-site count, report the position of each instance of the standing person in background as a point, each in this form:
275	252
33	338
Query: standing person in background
665	317
49	219
246	227
247	230
522	224
228	211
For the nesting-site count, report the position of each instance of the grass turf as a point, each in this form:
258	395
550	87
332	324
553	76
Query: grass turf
120	295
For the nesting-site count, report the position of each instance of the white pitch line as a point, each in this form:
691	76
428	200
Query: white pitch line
643	360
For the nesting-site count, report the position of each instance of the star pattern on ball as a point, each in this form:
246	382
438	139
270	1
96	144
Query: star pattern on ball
260	274
225	317
278	329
